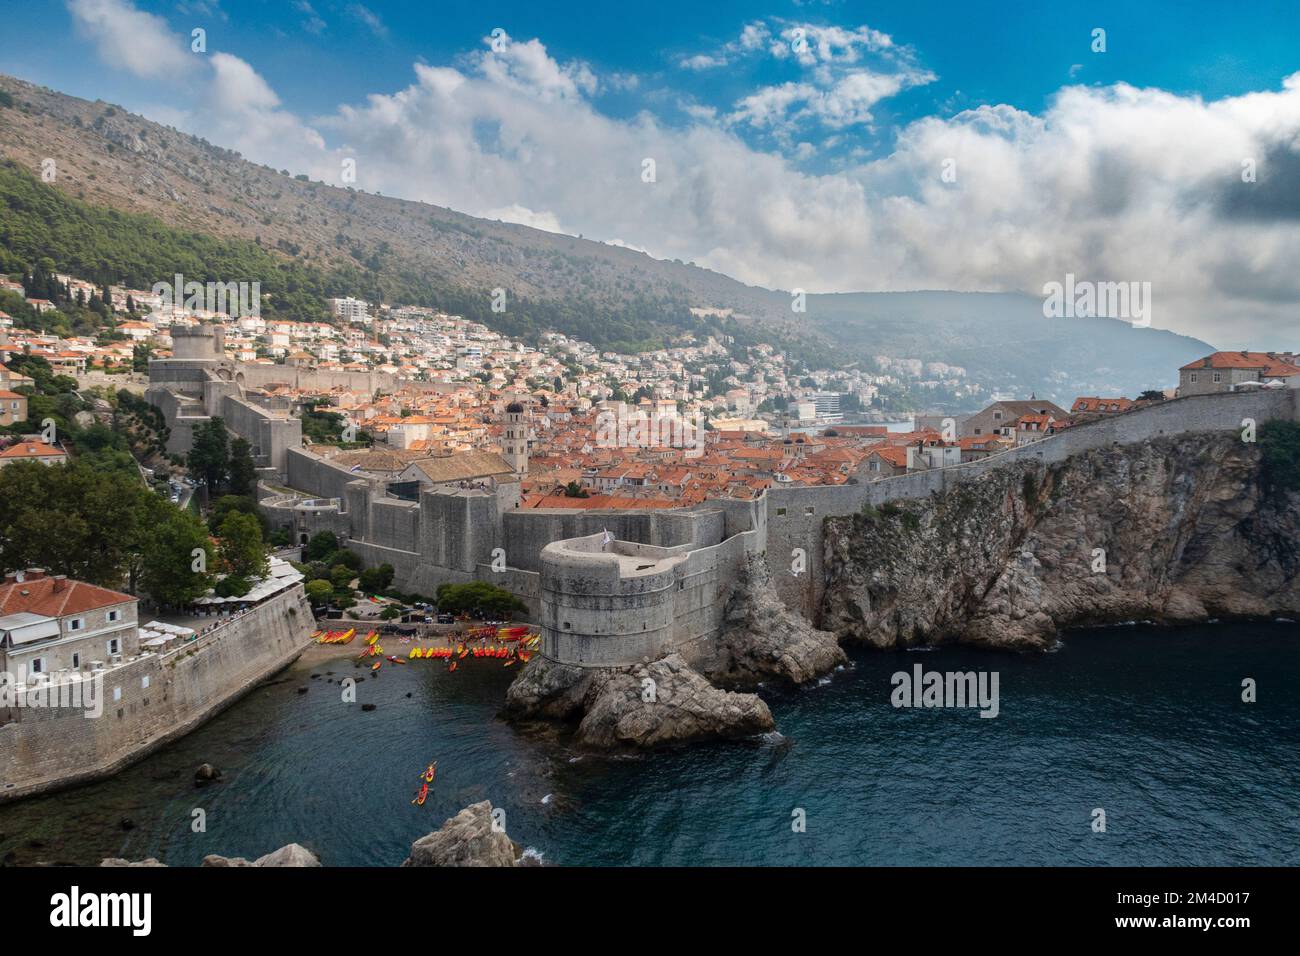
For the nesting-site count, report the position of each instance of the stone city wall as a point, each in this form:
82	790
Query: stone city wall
151	700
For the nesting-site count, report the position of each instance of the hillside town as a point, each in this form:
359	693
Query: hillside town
663	429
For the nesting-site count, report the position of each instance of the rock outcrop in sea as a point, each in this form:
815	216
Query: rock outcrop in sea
467	839
294	854
1173	530
646	705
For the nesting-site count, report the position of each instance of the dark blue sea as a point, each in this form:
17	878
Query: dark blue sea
1144	723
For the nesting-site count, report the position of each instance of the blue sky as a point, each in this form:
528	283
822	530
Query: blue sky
795	144
321	53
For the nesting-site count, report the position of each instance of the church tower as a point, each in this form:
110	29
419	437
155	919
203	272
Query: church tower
514	444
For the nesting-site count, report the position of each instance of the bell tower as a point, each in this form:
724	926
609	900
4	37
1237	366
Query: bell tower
514	444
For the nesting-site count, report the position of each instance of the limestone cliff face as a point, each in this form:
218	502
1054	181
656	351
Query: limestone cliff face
644	706
763	639
1184	528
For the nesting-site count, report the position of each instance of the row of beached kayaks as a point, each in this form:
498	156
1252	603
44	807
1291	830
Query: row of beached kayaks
335	637
521	649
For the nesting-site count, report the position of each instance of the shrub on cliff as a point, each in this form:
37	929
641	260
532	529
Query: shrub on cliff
1279	443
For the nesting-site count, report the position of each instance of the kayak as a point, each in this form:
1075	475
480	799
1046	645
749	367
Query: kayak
430	772
421	796
377	665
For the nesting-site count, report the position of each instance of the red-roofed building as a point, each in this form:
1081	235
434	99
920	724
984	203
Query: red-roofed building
36	451
1101	406
50	623
13	407
886	461
1227	371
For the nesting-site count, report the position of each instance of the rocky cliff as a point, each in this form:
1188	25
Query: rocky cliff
763	639
1171	530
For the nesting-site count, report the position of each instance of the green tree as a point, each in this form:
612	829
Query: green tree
168	571
226	505
319	592
320	546
243	473
374	580
242	551
478	597
209	457
74	520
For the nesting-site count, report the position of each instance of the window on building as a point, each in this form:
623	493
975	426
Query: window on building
1191	377
115	646
37	665
76	661
114	616
1218	377
76	624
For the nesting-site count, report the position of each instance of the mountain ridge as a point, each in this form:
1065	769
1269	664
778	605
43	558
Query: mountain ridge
614	296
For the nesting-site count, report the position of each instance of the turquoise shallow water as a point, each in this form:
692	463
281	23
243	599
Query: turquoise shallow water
1146	723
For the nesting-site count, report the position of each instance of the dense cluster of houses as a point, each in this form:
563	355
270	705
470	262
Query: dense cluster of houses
568	391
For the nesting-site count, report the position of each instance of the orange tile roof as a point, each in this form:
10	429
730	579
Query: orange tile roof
1270	365
32	449
40	597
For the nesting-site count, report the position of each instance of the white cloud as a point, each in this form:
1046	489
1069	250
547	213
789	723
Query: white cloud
140	42
240	110
836	88
311	21
524	216
847	101
370	19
